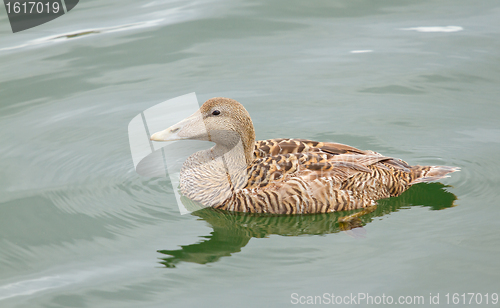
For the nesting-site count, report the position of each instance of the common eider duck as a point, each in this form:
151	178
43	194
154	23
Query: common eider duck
283	176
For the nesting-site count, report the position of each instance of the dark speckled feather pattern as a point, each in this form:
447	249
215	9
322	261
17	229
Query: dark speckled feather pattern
297	176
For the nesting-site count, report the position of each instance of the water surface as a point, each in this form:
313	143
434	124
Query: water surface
417	81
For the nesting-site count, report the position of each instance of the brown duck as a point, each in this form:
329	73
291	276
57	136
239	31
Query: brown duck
283	176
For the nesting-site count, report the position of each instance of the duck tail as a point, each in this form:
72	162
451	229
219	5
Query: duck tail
421	174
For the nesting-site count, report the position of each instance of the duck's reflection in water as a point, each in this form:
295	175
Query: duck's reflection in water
232	231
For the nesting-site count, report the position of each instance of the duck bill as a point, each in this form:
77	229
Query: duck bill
189	128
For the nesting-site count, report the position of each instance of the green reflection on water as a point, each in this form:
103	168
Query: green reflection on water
232	231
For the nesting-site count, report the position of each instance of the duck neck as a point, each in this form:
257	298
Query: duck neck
248	142
235	146
249	149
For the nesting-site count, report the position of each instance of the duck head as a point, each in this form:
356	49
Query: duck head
221	120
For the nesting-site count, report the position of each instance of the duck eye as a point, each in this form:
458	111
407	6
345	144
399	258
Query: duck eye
216	112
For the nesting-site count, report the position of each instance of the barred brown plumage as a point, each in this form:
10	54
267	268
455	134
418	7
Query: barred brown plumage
283	176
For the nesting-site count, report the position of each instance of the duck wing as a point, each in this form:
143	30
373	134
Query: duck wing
311	182
272	170
274	147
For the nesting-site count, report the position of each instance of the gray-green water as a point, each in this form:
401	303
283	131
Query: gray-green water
79	228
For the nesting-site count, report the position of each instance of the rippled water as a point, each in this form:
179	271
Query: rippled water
418	81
